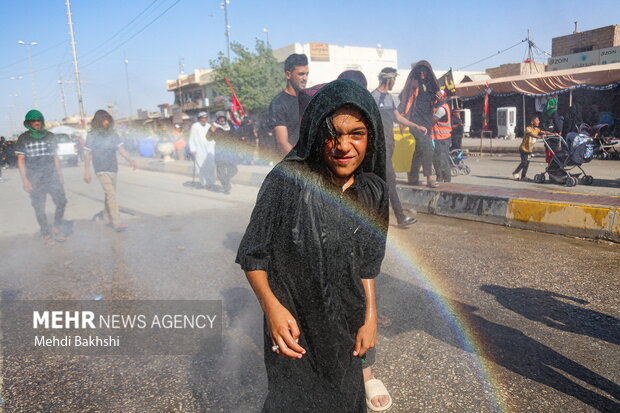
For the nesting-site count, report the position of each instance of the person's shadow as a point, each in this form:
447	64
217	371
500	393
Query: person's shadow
414	308
549	308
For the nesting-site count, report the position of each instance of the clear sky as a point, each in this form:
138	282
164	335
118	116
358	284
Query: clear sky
447	33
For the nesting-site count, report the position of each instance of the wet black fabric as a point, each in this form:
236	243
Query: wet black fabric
316	243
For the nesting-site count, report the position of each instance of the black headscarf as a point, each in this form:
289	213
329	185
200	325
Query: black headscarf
323	104
411	87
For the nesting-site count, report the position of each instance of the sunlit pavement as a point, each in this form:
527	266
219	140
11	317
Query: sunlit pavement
484	318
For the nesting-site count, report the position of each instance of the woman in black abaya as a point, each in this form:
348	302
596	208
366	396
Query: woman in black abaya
313	247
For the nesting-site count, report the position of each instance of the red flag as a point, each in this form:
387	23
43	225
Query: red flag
485	110
237	113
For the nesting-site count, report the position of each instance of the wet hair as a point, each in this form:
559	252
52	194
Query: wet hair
100	116
356	76
295	60
327	132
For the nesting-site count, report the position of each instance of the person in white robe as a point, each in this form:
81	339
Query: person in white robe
203	151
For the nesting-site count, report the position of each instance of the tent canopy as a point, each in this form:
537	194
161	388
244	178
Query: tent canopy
545	83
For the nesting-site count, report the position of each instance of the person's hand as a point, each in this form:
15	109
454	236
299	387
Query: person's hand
27	186
284	332
366	338
422	130
87	177
133	164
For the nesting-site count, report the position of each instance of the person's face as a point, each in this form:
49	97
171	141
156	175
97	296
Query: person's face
535	122
221	120
346	153
36	124
298	77
390	84
203	121
105	123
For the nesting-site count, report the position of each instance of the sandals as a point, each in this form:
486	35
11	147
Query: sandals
433	184
374	388
58	235
120	227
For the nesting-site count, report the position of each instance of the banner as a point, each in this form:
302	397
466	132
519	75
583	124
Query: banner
237	113
485	110
446	82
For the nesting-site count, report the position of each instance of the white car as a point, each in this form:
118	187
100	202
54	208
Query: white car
67	149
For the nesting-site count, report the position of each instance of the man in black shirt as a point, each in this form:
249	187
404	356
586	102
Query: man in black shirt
284	108
39	167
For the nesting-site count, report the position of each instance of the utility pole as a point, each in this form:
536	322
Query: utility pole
266	31
78	86
224	5
62	96
35	100
128	89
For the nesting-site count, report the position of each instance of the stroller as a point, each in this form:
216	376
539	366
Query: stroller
563	155
604	146
457	159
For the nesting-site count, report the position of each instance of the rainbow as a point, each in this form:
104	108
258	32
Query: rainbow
437	292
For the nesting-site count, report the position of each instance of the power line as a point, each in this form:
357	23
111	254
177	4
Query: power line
34	54
96	48
493	55
134	35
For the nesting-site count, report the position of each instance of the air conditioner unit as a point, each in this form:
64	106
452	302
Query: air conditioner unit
506	122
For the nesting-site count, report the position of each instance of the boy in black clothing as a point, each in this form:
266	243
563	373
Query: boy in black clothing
39	168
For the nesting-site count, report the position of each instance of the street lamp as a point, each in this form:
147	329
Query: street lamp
224	5
35	101
266	31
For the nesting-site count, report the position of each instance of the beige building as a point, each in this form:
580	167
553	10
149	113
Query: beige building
579	42
516	69
194	92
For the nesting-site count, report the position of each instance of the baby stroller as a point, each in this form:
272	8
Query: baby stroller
563	155
457	159
604	146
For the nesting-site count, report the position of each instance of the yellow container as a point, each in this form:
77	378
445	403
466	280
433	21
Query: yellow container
404	146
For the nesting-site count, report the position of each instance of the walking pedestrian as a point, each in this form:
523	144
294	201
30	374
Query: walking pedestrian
389	115
226	156
203	151
284	108
441	132
41	173
416	104
102	144
313	247
527	147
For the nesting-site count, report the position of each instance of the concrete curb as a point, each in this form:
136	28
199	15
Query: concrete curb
566	218
243	177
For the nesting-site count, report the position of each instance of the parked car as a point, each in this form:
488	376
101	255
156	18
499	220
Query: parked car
67	149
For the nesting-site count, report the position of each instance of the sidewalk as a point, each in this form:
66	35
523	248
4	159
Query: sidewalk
489	194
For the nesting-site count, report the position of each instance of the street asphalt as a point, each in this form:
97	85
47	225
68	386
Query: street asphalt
484	318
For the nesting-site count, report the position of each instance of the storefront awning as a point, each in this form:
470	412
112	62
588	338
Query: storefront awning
595	77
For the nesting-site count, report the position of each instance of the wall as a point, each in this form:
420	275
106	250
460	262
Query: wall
600	38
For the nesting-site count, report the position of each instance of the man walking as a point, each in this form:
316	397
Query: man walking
203	151
225	150
441	132
40	171
284	108
389	115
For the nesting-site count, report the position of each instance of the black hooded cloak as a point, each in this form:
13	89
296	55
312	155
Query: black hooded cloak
316	243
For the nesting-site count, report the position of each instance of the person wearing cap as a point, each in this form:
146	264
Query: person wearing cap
203	151
225	149
41	174
456	136
389	115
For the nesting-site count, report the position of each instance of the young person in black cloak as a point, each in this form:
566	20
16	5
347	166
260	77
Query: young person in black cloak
314	245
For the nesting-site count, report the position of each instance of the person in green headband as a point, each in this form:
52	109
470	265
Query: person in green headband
39	168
